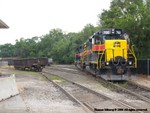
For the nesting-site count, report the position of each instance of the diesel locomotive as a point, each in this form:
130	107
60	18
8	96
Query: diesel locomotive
109	53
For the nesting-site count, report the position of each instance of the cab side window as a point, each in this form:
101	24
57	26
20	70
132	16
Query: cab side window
98	39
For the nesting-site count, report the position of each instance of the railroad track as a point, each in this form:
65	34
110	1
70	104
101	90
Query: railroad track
139	91
89	99
65	69
134	89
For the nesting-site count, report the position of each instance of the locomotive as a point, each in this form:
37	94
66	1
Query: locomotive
109	53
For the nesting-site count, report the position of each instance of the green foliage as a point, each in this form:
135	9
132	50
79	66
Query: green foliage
133	16
6	50
26	47
56	44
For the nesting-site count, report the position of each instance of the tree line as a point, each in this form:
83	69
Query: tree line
131	15
56	44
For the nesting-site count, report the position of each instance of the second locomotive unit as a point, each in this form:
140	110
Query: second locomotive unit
109	53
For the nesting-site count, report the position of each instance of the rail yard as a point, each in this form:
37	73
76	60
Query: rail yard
66	89
104	68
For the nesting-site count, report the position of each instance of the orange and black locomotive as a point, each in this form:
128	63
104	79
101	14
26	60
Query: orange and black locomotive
109	53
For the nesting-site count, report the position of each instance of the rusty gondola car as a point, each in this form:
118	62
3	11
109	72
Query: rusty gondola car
31	64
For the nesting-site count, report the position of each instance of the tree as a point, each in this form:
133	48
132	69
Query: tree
6	50
48	41
133	16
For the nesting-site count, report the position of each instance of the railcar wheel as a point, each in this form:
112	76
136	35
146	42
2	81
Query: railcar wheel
39	69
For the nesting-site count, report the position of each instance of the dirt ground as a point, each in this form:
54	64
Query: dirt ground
37	95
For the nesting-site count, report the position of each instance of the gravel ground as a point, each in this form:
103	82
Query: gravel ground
89	98
143	80
37	95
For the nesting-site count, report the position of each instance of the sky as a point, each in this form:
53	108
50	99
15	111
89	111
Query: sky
29	18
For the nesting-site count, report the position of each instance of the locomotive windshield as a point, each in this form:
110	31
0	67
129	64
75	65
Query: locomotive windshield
110	34
113	37
111	31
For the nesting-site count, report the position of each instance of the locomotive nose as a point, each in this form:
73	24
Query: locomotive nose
119	65
120	59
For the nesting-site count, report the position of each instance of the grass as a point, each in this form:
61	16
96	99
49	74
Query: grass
124	84
20	72
99	85
25	72
56	78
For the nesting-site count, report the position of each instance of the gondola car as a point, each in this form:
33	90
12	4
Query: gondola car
31	64
109	54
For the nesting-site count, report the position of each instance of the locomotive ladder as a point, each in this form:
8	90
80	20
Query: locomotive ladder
84	55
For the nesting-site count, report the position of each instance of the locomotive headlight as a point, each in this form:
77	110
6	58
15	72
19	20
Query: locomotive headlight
107	63
130	62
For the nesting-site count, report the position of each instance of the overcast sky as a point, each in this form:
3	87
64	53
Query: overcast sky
29	18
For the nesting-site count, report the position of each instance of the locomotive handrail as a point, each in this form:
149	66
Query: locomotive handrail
101	58
132	49
132	52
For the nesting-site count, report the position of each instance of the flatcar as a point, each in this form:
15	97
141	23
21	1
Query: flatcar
109	53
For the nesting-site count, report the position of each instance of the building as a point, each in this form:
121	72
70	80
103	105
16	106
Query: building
3	25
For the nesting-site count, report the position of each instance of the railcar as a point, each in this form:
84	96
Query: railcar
30	64
43	61
109	53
